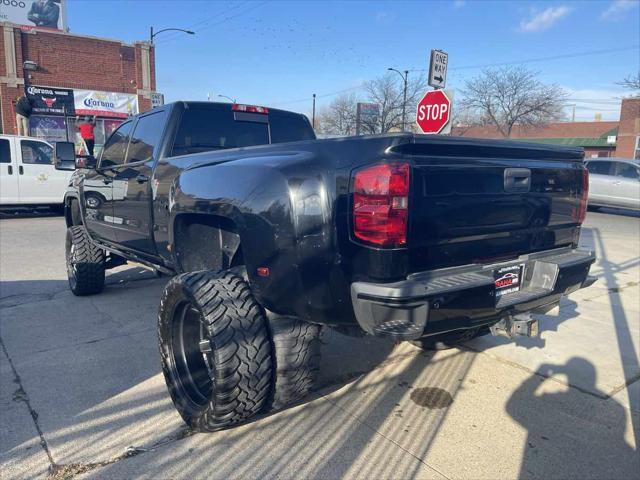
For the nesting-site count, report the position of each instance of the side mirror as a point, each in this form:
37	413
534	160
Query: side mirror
86	161
65	156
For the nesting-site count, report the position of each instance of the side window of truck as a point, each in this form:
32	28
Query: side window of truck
115	149
5	151
36	152
146	137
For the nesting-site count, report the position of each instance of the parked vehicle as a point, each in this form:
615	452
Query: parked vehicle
614	182
431	239
27	173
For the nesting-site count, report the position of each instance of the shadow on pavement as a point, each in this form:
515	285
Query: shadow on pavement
547	323
40	212
100	390
89	368
559	432
626	350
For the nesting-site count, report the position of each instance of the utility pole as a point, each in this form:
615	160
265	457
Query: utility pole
313	115
405	78
404	101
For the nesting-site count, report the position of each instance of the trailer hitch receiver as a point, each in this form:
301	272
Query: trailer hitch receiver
518	325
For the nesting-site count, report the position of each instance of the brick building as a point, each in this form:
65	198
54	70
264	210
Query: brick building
599	139
65	75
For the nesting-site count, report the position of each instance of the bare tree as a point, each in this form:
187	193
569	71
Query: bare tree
339	118
632	82
387	92
463	119
512	96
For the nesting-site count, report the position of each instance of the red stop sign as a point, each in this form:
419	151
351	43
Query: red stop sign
433	111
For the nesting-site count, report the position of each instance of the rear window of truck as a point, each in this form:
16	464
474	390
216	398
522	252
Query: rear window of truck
204	128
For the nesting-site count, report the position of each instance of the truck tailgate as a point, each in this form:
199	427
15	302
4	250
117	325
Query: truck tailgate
480	201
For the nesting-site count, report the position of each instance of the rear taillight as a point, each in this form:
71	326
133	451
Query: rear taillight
380	201
581	212
236	107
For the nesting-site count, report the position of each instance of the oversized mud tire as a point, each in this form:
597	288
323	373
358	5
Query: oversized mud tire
447	340
76	216
296	347
85	263
215	349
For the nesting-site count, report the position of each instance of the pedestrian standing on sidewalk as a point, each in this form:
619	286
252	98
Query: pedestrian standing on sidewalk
23	112
86	132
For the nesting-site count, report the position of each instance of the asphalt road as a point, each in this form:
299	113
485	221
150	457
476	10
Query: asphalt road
81	393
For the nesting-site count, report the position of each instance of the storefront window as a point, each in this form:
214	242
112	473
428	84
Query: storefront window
60	129
102	130
49	128
637	152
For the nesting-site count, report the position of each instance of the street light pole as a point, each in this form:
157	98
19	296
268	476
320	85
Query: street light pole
228	98
405	78
153	34
313	116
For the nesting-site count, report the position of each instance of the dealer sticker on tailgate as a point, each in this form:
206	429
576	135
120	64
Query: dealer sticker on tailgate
508	279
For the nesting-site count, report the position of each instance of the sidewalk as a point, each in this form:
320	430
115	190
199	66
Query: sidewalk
90	387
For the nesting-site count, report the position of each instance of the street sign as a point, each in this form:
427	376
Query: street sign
157	99
367	116
434	112
438	68
368	109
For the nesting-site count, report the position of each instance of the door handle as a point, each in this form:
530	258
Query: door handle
21	170
617	182
10	170
142	178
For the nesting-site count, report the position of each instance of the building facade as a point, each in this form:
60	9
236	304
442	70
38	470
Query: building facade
69	77
599	139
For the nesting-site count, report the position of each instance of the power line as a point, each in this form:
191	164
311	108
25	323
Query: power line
324	95
233	10
208	19
173	35
250	9
596	100
555	57
539	59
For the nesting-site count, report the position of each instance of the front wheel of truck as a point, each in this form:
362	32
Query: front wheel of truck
85	263
215	349
444	341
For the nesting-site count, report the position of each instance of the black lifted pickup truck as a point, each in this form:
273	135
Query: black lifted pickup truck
272	234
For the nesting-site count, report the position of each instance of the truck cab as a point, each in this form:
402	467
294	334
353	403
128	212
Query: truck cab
27	173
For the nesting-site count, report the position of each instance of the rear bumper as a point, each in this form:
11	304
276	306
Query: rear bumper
455	298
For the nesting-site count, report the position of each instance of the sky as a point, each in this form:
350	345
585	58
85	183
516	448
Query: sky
278	53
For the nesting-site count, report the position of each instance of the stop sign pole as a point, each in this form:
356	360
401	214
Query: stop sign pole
433	112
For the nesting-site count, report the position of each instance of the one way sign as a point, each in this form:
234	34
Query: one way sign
438	68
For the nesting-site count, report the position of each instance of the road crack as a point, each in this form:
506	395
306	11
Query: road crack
69	470
21	395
